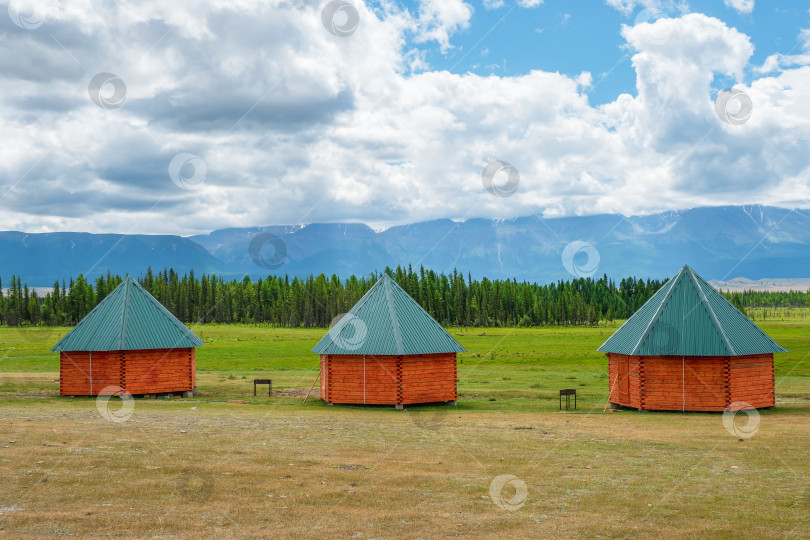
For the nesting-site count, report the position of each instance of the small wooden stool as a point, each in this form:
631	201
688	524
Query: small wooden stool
568	392
268	382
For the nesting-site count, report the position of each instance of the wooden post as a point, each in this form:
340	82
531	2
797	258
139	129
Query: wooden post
318	376
609	394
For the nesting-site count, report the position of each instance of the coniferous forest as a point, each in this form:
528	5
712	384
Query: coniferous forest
454	300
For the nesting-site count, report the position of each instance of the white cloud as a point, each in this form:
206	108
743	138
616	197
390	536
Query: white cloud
628	6
743	6
665	6
495	4
298	125
778	61
440	19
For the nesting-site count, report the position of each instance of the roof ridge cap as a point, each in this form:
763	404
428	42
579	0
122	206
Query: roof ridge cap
81	322
392	313
752	323
427	316
658	311
354	311
185	330
712	314
122	338
364	299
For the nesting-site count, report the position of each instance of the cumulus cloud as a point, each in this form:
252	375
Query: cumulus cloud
665	6
296	124
628	6
743	6
440	19
776	62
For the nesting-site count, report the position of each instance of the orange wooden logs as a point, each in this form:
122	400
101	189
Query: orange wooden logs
148	371
388	380
674	383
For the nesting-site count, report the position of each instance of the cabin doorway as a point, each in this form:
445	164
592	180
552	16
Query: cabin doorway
623	371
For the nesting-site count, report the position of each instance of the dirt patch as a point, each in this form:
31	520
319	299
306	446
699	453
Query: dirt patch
297	393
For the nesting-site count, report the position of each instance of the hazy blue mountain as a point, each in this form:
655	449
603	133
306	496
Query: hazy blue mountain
720	243
40	259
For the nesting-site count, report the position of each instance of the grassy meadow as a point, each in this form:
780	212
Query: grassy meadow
275	467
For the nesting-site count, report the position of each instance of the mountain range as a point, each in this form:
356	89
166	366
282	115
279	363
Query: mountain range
721	243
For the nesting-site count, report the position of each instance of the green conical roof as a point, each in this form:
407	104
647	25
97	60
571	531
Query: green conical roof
129	318
687	317
387	321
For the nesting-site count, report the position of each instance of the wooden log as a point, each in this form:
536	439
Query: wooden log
389	379
670	383
138	372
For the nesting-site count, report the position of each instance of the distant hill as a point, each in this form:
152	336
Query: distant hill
767	284
40	259
721	243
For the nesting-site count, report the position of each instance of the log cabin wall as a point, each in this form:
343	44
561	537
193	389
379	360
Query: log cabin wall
159	370
138	372
74	372
345	375
388	380
324	378
752	380
675	383
624	376
634	374
428	378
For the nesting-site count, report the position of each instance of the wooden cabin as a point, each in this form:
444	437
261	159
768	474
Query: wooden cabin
388	351
689	349
129	341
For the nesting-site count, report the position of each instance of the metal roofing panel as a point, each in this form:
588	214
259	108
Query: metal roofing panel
687	317
387	321
744	336
129	318
628	336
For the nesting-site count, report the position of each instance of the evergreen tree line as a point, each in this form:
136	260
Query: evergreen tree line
453	300
780	299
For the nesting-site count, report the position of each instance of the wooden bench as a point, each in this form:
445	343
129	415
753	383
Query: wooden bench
268	382
568	392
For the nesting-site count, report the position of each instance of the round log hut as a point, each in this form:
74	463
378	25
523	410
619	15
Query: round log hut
689	349
128	341
387	350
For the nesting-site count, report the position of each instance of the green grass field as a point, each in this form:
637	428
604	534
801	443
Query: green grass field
274	467
508	369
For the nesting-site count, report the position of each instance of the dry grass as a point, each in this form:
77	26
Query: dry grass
285	471
276	468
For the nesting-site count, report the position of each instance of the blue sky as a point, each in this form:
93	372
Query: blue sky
574	36
183	117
